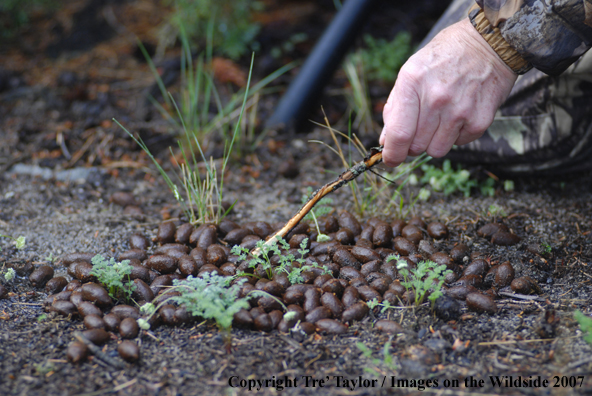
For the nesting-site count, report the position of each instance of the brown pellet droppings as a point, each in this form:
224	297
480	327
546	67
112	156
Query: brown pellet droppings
243	319
276	316
63	308
437	230
381	285
328	224
317	314
77	352
364	255
96	336
350	273
226	225
216	255
392	297
128	328
397	226
96	294
383	235
183	233
312	299
367	232
74	257
297	239
417	221
294	297
350	296
162	264
76	298
207	237
355	312
403	246
94	322
166	232
112	322
129	351
347	220
132	254
250	242
334	304
56	285
123	311
82	272
122	198
228	269
172	249
389	326
368	293
525	285
142	291
478	302
412	233
139	241
86	308
504	275
273	288
346	259
263	323
442	258
459	252
333	286
269	304
345	236
41	275
502	238
426	247
460	292
73	285
235	236
477	267
472	280
331	326
167	315
489	229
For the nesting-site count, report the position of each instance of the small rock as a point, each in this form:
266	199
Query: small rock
129	351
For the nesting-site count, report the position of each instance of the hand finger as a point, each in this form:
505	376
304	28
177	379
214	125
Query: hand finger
400	123
443	139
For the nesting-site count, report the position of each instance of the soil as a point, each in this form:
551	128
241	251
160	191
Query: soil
62	158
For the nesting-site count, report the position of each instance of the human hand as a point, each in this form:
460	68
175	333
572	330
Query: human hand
445	94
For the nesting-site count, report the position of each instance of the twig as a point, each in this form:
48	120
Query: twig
98	353
522	296
374	158
578	363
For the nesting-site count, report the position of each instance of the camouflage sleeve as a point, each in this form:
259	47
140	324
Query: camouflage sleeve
547	34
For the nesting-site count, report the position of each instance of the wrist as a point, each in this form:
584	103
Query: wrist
496	41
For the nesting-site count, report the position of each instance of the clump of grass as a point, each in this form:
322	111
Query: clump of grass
9	274
450	181
227	24
113	276
425	280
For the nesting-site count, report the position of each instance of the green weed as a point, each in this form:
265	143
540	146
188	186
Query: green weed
286	260
449	181
585	325
382	59
426	279
387	361
112	274
210	297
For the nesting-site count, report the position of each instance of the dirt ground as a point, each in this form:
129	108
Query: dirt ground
57	98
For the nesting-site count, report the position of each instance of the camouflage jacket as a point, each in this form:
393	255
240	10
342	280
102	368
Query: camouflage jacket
547	34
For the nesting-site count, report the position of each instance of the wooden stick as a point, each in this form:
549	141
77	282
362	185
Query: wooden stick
374	158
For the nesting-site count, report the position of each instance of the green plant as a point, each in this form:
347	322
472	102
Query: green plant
449	181
9	274
286	260
322	208
210	297
387	360
385	305
112	274
382	59
228	24
495	210
426	279
585	325
357	95
546	248
19	242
